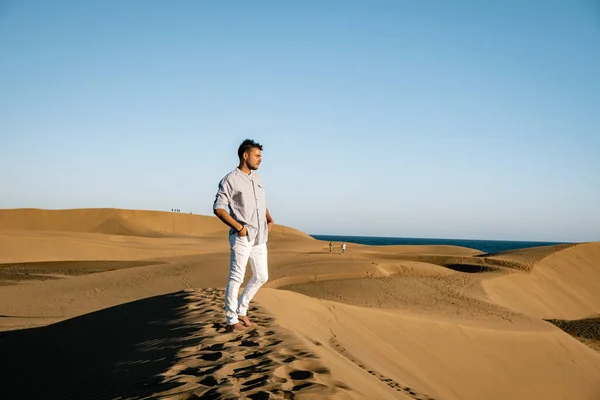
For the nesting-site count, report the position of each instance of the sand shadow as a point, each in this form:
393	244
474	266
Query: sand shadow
470	268
118	352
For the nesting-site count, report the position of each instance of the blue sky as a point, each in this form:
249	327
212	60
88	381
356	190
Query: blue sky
463	119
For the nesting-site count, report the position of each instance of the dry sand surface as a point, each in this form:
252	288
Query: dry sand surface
123	304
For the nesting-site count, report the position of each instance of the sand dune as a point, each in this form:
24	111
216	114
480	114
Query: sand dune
564	284
170	346
440	359
107	304
34	235
121	222
524	259
35	246
587	330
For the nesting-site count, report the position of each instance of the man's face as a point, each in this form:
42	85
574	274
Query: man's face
254	158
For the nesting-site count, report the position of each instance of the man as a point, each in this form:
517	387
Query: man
241	204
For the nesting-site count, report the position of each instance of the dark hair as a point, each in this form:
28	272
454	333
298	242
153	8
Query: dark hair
246	146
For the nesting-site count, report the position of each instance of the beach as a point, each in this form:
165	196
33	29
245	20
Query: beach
128	304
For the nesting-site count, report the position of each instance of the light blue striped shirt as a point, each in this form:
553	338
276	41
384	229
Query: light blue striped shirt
243	197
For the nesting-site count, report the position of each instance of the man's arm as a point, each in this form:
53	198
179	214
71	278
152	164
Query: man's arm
270	222
220	208
229	221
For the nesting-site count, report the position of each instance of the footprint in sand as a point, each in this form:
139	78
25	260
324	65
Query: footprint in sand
262	362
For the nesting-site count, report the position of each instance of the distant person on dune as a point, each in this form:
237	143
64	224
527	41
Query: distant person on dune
241	204
344	248
330	247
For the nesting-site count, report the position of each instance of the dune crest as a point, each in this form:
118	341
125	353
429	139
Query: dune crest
432	359
564	284
35	235
124	222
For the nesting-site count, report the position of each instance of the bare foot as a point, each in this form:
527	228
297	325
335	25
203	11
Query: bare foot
245	320
235	327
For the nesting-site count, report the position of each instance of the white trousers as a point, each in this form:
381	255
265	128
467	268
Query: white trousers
241	252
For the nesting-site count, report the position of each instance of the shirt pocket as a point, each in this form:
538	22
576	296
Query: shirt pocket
261	198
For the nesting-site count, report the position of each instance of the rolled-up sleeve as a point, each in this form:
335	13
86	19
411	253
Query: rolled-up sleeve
223	196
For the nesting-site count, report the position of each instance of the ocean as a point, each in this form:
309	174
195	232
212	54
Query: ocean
487	246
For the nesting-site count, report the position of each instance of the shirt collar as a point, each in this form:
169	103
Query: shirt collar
245	175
